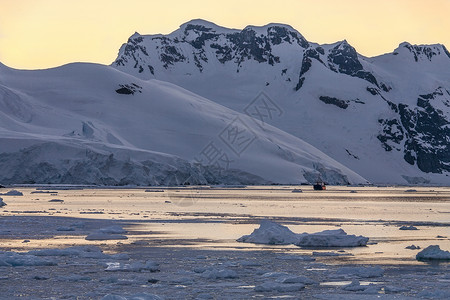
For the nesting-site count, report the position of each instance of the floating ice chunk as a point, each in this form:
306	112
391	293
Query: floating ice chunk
404	227
278	287
372	289
331	238
100	236
12	193
55	252
133	267
74	278
354	286
2	203
115	229
12	259
64	228
275	274
113	297
56	200
270	233
296	257
219	274
364	272
296	279
412	247
390	289
249	263
275	234
79	251
140	296
433	252
315	253
437	294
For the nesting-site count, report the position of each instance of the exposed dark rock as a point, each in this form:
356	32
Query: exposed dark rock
335	101
129	89
345	58
300	83
419	51
427	135
391	132
338	102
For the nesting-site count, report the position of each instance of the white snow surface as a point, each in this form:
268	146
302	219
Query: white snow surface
69	125
348	135
273	233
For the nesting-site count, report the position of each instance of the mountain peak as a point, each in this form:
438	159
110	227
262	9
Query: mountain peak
202	25
422	52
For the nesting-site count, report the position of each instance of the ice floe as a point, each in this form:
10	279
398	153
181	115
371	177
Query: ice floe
404	227
79	251
99	236
219	274
331	238
12	193
362	272
137	266
278	287
270	233
108	233
13	259
140	296
275	234
354	286
433	252
412	247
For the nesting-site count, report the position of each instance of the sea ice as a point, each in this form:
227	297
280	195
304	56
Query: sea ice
140	296
433	252
278	287
270	233
99	236
275	234
364	272
133	267
79	251
12	193
354	286
13	259
296	279
412	247
404	227
74	278
115	229
331	238
391	289
219	274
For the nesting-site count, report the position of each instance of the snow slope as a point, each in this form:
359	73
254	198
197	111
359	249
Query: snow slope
93	124
386	117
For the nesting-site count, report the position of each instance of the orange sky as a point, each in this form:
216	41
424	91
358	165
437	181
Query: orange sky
47	33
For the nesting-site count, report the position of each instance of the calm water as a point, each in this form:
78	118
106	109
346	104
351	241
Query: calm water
213	218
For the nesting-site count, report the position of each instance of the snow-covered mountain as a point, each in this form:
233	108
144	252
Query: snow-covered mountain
93	124
386	117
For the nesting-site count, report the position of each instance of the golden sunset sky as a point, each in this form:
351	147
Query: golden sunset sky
47	33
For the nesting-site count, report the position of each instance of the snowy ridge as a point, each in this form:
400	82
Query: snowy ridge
92	124
385	117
